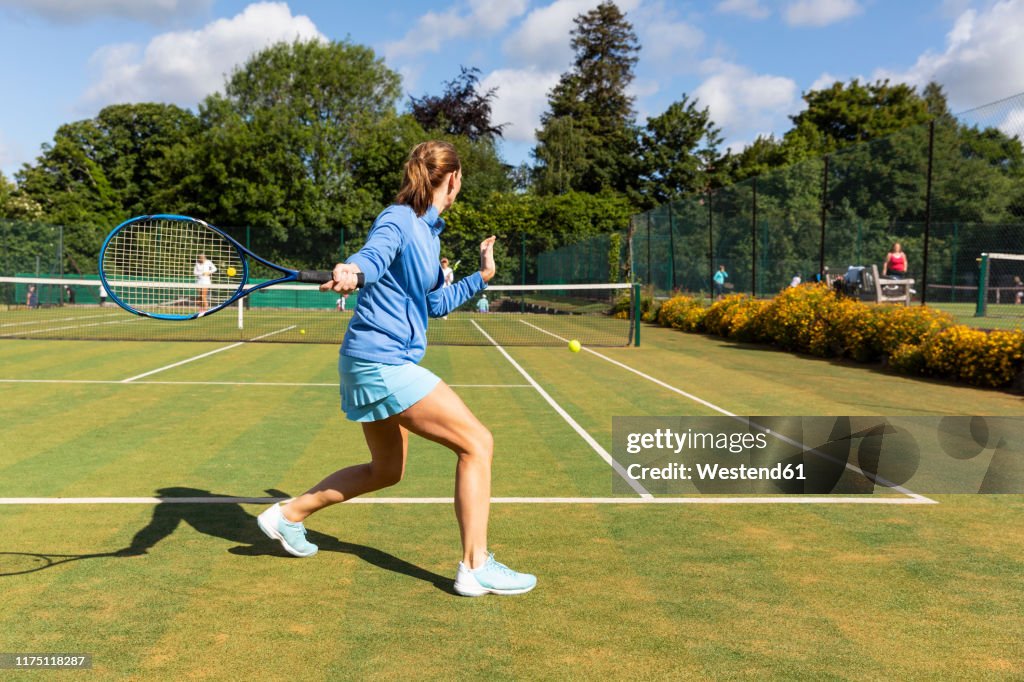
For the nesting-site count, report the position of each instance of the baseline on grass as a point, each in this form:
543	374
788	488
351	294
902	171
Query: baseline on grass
174	267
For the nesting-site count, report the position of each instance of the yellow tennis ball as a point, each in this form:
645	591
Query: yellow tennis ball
302	331
575	346
231	272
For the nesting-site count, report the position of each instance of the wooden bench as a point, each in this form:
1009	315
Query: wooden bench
887	290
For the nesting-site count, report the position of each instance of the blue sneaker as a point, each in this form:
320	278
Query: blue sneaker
292	536
492	578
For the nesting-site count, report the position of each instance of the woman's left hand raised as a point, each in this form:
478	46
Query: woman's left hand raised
487	267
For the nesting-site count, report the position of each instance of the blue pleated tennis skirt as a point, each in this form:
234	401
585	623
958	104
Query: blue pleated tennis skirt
371	391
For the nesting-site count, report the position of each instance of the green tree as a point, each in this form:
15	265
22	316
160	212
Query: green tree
587	141
678	149
14	204
281	150
461	111
101	171
852	113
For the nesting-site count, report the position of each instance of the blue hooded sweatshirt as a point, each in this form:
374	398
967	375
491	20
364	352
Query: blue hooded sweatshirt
403	286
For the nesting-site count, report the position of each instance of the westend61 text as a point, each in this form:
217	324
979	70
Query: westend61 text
715	472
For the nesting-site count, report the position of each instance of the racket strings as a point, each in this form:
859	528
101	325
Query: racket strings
172	266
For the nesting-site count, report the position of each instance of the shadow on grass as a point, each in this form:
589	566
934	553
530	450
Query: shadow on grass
223	520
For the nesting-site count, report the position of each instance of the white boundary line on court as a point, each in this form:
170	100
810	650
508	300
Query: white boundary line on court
640	490
783	438
204	355
57	329
221	383
56	319
865	499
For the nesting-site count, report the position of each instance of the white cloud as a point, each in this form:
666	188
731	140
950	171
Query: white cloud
542	40
741	101
7	154
521	98
75	11
182	67
824	81
820	12
434	29
751	9
664	41
983	60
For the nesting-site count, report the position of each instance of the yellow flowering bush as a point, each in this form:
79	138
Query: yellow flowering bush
992	359
681	312
908	359
738	317
798	319
812	319
898	325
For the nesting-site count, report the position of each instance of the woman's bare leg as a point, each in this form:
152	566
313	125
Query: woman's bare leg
388	442
443	418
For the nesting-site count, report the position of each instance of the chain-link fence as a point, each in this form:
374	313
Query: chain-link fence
947	192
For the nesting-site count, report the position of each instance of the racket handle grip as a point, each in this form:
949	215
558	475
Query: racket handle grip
324	276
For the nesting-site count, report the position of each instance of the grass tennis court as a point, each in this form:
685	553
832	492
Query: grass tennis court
726	591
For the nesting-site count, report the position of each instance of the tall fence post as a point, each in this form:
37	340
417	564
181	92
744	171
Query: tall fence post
671	247
753	243
824	219
711	247
956	257
522	258
650	275
927	214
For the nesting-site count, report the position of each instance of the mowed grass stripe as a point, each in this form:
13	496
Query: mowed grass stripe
751	380
293	363
66	436
95	359
154	441
110	607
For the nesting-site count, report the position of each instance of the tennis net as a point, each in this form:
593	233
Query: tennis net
509	315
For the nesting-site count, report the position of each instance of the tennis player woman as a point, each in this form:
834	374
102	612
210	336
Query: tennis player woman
384	388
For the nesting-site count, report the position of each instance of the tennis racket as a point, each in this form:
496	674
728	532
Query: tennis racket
173	267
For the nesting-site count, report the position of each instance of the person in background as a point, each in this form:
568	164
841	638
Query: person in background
69	294
795	282
103	295
895	266
449	277
203	270
449	273
720	278
483	305
32	298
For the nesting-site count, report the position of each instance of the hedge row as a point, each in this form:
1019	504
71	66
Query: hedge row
811	319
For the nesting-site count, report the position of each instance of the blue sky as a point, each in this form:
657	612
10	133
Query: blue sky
749	61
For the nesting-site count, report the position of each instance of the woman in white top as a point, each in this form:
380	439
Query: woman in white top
203	269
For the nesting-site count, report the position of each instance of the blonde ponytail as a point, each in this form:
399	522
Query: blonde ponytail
425	169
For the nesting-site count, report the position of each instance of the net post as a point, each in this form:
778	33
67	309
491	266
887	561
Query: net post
241	322
980	309
636	314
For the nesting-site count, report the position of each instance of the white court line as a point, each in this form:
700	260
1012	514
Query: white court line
572	422
779	436
56	319
203	355
220	383
791	499
70	326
